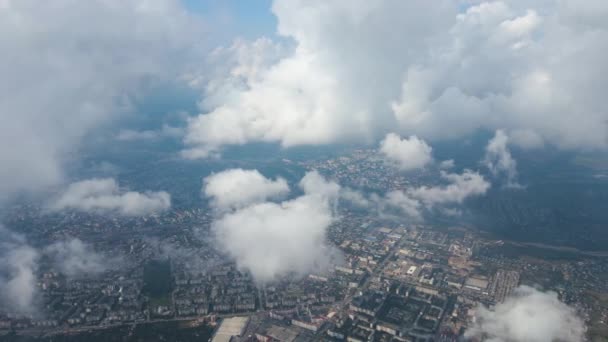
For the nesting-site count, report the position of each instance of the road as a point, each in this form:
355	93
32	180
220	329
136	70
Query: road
343	304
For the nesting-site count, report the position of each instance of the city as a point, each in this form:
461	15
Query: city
389	282
303	170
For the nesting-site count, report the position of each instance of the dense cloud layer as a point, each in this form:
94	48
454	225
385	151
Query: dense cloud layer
408	153
274	239
104	195
529	316
237	188
70	66
348	71
436	69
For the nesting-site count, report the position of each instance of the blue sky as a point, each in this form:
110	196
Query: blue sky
243	18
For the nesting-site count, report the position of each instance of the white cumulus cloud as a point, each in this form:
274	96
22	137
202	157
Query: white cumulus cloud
403	202
459	187
313	183
237	188
498	159
104	195
412	202
447	70
529	315
446	164
407	153
274	239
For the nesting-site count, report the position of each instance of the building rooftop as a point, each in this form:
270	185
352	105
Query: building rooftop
230	327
